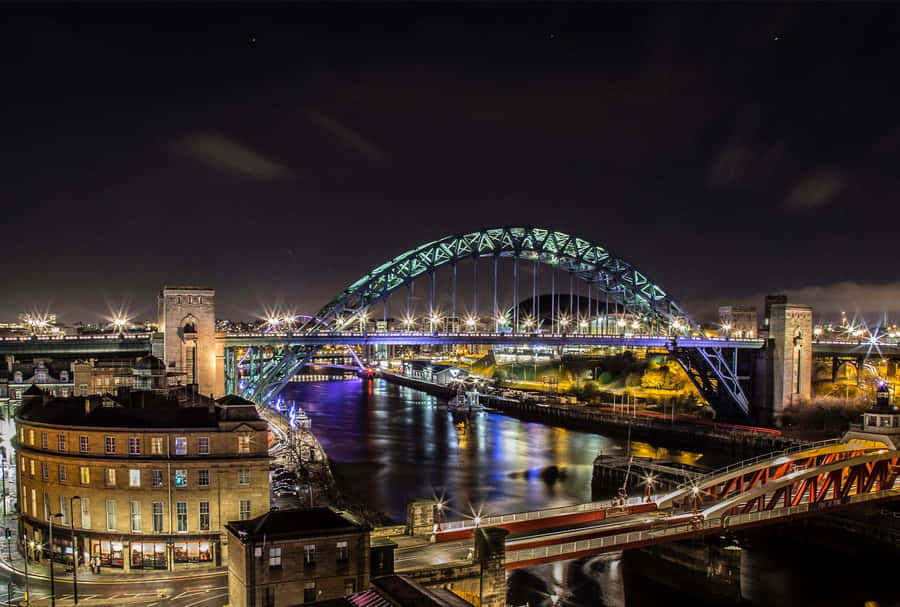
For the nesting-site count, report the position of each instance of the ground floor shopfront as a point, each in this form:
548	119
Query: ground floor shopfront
121	552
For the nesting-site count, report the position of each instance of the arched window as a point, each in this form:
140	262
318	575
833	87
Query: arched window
63	376
17	377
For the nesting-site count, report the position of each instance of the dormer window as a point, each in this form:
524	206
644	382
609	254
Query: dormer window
17	377
63	376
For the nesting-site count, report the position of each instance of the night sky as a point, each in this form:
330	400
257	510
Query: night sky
278	153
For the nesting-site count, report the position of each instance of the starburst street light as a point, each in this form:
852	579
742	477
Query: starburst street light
471	321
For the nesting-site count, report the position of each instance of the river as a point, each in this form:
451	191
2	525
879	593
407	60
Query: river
391	443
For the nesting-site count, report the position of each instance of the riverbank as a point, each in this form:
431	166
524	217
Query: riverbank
739	443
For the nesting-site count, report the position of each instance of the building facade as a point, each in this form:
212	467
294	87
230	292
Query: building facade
738	321
147	482
790	338
287	557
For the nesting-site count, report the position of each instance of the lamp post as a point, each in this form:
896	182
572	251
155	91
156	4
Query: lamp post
440	508
3	477
28	544
52	580
74	547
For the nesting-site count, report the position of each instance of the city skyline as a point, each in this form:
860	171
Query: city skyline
720	151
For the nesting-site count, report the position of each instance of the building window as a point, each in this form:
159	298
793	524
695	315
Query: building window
134	445
157	517
343	552
156	445
31	437
82	444
83	389
204	516
44	441
135	510
45	471
21	434
61	443
85	475
203	478
309	554
244	444
275	557
245	510
110	515
181	516
244	477
109	444
134	477
47	506
181	478
349	586
199	299
156	478
110	477
309	592
34	503
63	473
85	512
180	445
31	465
178	300
64	509
203	445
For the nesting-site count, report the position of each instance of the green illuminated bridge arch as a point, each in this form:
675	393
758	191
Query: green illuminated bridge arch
710	368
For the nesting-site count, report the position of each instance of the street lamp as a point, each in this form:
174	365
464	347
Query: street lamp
471	321
3	477
74	547
52	581
440	508
29	544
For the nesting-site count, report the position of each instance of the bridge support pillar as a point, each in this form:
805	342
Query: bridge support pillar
490	554
790	332
420	516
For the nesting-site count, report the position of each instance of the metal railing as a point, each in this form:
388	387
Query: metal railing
774	455
618	541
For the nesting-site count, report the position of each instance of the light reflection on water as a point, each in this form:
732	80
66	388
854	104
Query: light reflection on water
396	443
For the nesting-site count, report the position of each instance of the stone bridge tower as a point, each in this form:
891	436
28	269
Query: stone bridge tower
187	321
790	337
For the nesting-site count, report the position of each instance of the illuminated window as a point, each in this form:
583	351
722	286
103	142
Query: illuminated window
343	551
32	468
181	516
83	389
275	557
244	444
204	516
85	475
85	513
180	445
157	517
31	437
181	478
156	445
134	508
110	515
110	477
134	478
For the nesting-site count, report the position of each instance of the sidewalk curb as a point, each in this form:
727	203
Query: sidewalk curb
169	578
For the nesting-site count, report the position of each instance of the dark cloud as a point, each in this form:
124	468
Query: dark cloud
815	191
220	152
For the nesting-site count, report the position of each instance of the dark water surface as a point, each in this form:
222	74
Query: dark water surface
392	443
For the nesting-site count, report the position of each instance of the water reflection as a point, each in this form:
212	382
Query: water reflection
394	443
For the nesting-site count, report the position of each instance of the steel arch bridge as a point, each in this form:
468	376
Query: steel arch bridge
711	368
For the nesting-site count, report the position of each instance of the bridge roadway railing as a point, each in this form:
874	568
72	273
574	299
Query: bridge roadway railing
533	515
747	463
618	541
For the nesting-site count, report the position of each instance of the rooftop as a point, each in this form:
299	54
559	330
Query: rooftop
397	591
140	409
300	522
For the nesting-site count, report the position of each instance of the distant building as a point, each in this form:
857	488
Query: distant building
157	478
738	321
54	378
189	348
287	557
772	300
